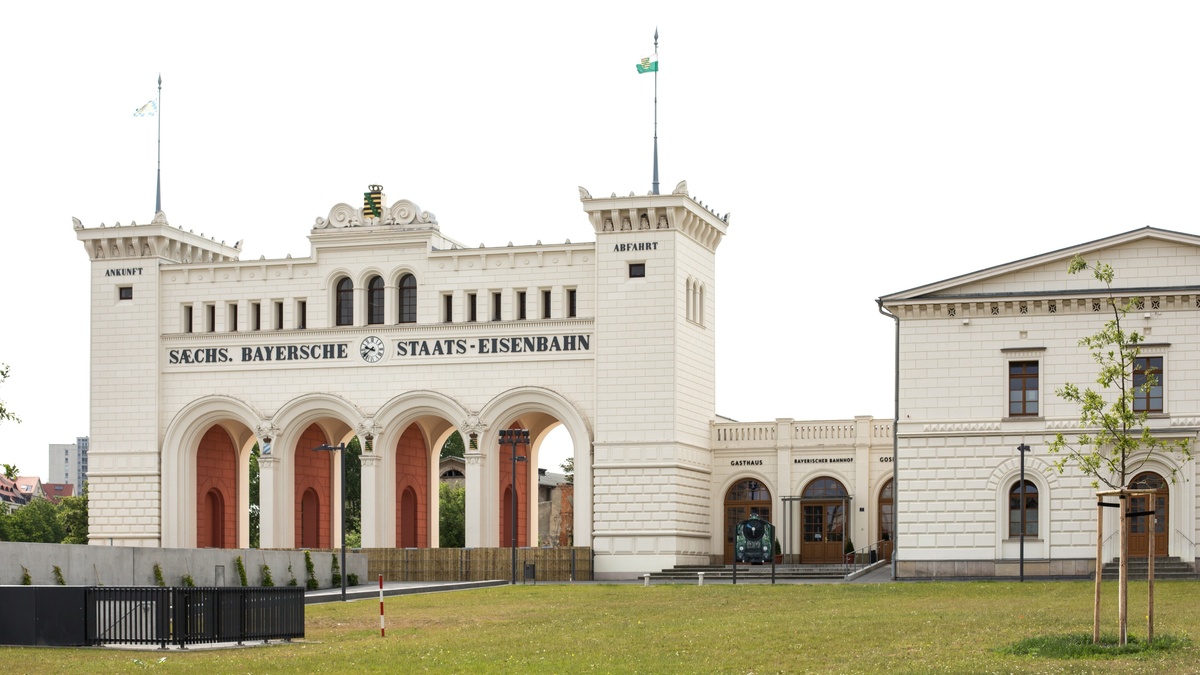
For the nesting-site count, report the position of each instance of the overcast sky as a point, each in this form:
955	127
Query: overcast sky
863	148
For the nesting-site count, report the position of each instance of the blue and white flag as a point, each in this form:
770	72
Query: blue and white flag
147	110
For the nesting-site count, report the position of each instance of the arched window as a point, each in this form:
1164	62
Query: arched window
345	302
375	300
1023	514
408	299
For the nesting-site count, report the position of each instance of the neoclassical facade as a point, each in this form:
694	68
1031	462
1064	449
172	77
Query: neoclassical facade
397	334
980	359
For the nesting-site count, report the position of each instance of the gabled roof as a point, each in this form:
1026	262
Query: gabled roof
56	491
1045	274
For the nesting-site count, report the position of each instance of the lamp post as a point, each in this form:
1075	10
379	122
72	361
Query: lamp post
1022	448
514	437
340	447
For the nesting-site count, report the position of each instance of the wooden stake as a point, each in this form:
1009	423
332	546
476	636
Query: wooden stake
1099	569
1123	575
1150	582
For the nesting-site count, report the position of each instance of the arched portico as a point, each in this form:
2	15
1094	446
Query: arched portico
181	501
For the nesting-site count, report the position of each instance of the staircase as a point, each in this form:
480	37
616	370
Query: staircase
752	573
1164	568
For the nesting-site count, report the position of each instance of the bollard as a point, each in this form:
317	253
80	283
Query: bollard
701	575
647	582
381	628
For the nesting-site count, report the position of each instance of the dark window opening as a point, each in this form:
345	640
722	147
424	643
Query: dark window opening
1023	514
545	304
495	306
472	312
447	308
302	314
125	293
637	270
571	306
408	299
345	302
375	300
521	305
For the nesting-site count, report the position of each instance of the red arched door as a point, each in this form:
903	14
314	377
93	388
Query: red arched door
1139	528
887	521
216	518
310	519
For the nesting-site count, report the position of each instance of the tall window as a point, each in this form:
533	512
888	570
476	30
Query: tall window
521	305
375	300
1023	514
495	306
301	314
1022	388
471	307
546	304
408	299
448	307
187	318
1148	370
345	302
571	306
255	316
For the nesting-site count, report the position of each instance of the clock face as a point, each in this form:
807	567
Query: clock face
371	349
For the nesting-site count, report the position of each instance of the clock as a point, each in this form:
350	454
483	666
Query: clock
371	349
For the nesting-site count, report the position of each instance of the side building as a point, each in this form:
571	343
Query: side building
69	463
980	358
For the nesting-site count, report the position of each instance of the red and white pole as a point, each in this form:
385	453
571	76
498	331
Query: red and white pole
380	605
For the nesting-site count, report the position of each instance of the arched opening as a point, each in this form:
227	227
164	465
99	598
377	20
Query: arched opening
412	488
344	302
1139	528
744	498
408	299
215	507
310	520
313	474
824	505
887	521
506	519
216	485
375	300
1023	510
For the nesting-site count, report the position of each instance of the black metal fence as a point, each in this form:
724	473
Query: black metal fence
183	616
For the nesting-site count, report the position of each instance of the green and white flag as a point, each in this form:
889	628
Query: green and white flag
648	64
147	110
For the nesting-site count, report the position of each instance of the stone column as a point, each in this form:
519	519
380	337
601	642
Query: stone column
270	532
863	504
371	509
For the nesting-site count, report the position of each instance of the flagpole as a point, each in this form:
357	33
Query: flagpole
654	187
158	179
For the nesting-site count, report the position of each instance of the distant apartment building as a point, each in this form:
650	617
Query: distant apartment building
69	463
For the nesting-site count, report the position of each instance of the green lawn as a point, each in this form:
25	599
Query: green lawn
844	628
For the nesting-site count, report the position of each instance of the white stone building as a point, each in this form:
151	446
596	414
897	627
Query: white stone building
980	359
394	332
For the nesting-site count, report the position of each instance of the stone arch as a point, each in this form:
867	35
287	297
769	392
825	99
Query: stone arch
216	486
541	409
181	442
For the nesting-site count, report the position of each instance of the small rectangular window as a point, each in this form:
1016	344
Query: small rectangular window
495	306
546	304
472	309
210	318
448	307
637	270
232	314
1023	388
255	316
278	315
521	305
125	293
301	314
571	303
187	318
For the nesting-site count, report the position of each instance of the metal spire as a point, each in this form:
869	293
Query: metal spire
654	187
158	180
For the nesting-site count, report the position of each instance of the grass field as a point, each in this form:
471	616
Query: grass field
834	628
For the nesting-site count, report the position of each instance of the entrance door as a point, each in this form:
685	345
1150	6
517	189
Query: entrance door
1139	528
887	521
744	498
823	522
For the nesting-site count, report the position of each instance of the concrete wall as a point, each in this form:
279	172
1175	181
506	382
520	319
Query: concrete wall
132	566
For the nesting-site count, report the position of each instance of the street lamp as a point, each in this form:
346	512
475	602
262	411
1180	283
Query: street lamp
514	437
1022	448
340	447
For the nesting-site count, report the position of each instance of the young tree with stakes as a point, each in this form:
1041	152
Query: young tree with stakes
1115	440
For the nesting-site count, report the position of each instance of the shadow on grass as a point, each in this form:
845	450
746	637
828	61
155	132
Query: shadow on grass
1079	646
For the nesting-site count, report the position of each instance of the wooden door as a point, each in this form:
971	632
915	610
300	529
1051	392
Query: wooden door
822	536
1139	528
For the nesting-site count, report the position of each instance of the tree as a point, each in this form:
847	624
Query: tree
255	508
453	447
5	413
73	518
36	522
353	459
11	471
452	523
568	467
1116	439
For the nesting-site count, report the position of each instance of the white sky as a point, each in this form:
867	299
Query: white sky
863	148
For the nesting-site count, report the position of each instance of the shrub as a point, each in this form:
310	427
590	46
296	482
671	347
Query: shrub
26	580
352	579
58	576
186	580
158	576
311	584
292	575
241	570
337	571
265	570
